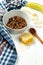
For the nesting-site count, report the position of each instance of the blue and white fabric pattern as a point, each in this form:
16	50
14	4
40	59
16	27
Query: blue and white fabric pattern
4	33
9	53
12	4
8	56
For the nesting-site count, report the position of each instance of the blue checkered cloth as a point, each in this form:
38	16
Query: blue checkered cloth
4	33
11	6
9	54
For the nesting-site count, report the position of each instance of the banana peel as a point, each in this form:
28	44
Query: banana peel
35	6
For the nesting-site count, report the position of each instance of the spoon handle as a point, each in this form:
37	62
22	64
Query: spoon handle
38	38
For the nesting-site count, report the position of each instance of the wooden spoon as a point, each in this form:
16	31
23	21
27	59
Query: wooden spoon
33	31
2	46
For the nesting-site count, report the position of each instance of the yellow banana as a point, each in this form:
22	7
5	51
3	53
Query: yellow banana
35	6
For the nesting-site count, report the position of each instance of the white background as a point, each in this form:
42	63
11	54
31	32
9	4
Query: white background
29	55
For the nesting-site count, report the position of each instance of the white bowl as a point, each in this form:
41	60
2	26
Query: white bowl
16	13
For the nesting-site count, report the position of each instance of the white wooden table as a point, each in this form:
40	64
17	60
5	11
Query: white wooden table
29	55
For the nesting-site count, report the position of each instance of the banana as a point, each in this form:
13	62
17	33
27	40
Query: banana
35	6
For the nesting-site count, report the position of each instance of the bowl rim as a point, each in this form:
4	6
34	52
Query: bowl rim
14	11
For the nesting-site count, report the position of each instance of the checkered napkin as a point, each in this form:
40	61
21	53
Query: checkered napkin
4	33
12	5
8	56
9	53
